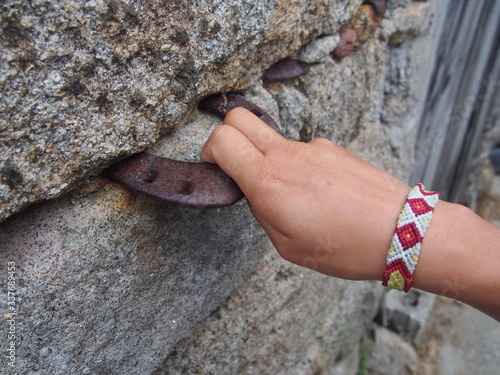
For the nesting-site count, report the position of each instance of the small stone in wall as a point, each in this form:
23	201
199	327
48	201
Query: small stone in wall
391	355
319	49
406	313
346	44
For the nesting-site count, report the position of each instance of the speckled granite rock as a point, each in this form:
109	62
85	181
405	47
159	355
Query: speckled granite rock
111	282
84	83
278	337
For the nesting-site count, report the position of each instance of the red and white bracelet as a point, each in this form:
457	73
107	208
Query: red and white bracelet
412	224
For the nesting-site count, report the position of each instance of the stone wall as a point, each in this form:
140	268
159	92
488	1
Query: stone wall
108	281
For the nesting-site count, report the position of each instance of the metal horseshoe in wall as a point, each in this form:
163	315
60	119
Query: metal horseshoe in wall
183	183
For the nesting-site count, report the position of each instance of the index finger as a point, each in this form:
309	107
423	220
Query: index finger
233	152
262	136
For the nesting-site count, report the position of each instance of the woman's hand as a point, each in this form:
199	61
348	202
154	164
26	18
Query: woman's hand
322	207
326	209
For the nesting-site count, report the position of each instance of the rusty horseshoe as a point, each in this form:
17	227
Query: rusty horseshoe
282	71
181	183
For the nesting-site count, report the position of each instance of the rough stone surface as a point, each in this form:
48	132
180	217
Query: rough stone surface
84	83
459	340
110	282
407	313
277	337
392	355
319	49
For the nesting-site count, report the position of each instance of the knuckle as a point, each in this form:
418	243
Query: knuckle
217	133
320	142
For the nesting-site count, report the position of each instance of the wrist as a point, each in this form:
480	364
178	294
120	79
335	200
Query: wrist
460	258
388	207
439	250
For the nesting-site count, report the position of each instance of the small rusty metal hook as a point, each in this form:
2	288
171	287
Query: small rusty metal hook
186	184
221	104
379	6
346	44
282	71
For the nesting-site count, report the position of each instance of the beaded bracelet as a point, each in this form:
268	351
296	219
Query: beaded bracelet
412	224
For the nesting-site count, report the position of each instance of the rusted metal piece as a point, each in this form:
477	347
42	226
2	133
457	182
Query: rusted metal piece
221	104
346	44
283	70
185	184
380	6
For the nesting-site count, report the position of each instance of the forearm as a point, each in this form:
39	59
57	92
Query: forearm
326	209
460	258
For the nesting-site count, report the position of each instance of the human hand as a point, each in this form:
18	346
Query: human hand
322	207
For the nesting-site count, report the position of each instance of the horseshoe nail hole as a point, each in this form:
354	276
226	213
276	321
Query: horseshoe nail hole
184	187
149	175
